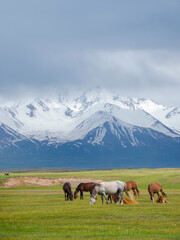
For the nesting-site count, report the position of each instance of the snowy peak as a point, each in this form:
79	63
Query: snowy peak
102	123
89	128
58	117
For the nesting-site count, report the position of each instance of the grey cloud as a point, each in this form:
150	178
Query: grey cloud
130	46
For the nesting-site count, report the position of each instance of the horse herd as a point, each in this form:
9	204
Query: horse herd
113	189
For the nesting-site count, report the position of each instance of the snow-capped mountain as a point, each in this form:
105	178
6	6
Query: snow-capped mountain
57	117
76	123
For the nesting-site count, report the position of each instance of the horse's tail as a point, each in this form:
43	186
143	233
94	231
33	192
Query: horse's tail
137	191
163	193
70	192
150	189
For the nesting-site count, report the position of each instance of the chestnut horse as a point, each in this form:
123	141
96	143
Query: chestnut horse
161	199
67	191
133	185
155	188
84	187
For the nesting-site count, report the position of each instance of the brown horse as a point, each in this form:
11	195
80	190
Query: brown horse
113	197
129	201
155	188
67	191
84	187
130	185
133	185
161	199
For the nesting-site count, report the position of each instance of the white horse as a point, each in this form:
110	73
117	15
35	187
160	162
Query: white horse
109	188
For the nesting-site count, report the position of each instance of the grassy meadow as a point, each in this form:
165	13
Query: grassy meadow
41	212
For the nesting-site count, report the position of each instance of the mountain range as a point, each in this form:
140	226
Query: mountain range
91	129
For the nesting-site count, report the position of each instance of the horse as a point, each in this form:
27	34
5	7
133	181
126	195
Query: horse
84	187
130	185
129	201
67	191
133	185
110	188
155	188
161	199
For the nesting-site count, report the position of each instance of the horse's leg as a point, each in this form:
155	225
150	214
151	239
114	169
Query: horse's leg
102	199
135	194
81	194
118	197
152	197
121	193
163	193
104	194
65	196
110	198
127	194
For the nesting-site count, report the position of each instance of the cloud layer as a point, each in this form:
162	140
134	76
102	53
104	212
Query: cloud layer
127	46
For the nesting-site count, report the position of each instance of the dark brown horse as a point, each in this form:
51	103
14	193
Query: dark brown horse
84	187
155	188
130	185
67	191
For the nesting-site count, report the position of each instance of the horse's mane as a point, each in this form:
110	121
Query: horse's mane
78	187
98	184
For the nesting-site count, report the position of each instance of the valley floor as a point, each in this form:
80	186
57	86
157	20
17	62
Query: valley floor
40	212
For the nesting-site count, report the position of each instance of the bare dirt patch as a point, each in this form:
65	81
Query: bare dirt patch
15	182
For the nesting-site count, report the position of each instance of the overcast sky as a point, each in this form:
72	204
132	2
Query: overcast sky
129	46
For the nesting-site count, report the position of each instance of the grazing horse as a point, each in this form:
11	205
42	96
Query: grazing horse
130	185
67	191
155	188
110	188
133	185
86	187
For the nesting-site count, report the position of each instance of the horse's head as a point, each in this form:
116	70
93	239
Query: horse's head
92	200
71	197
75	195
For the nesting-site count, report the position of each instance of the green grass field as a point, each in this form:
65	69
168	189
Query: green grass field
42	213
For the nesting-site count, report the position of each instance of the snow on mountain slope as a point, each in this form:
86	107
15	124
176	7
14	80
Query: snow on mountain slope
102	125
56	118
97	120
8	117
10	137
136	117
169	116
42	118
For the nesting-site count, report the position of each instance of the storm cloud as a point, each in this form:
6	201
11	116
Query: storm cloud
132	47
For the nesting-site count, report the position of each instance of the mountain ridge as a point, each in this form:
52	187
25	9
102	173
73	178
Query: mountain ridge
91	127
